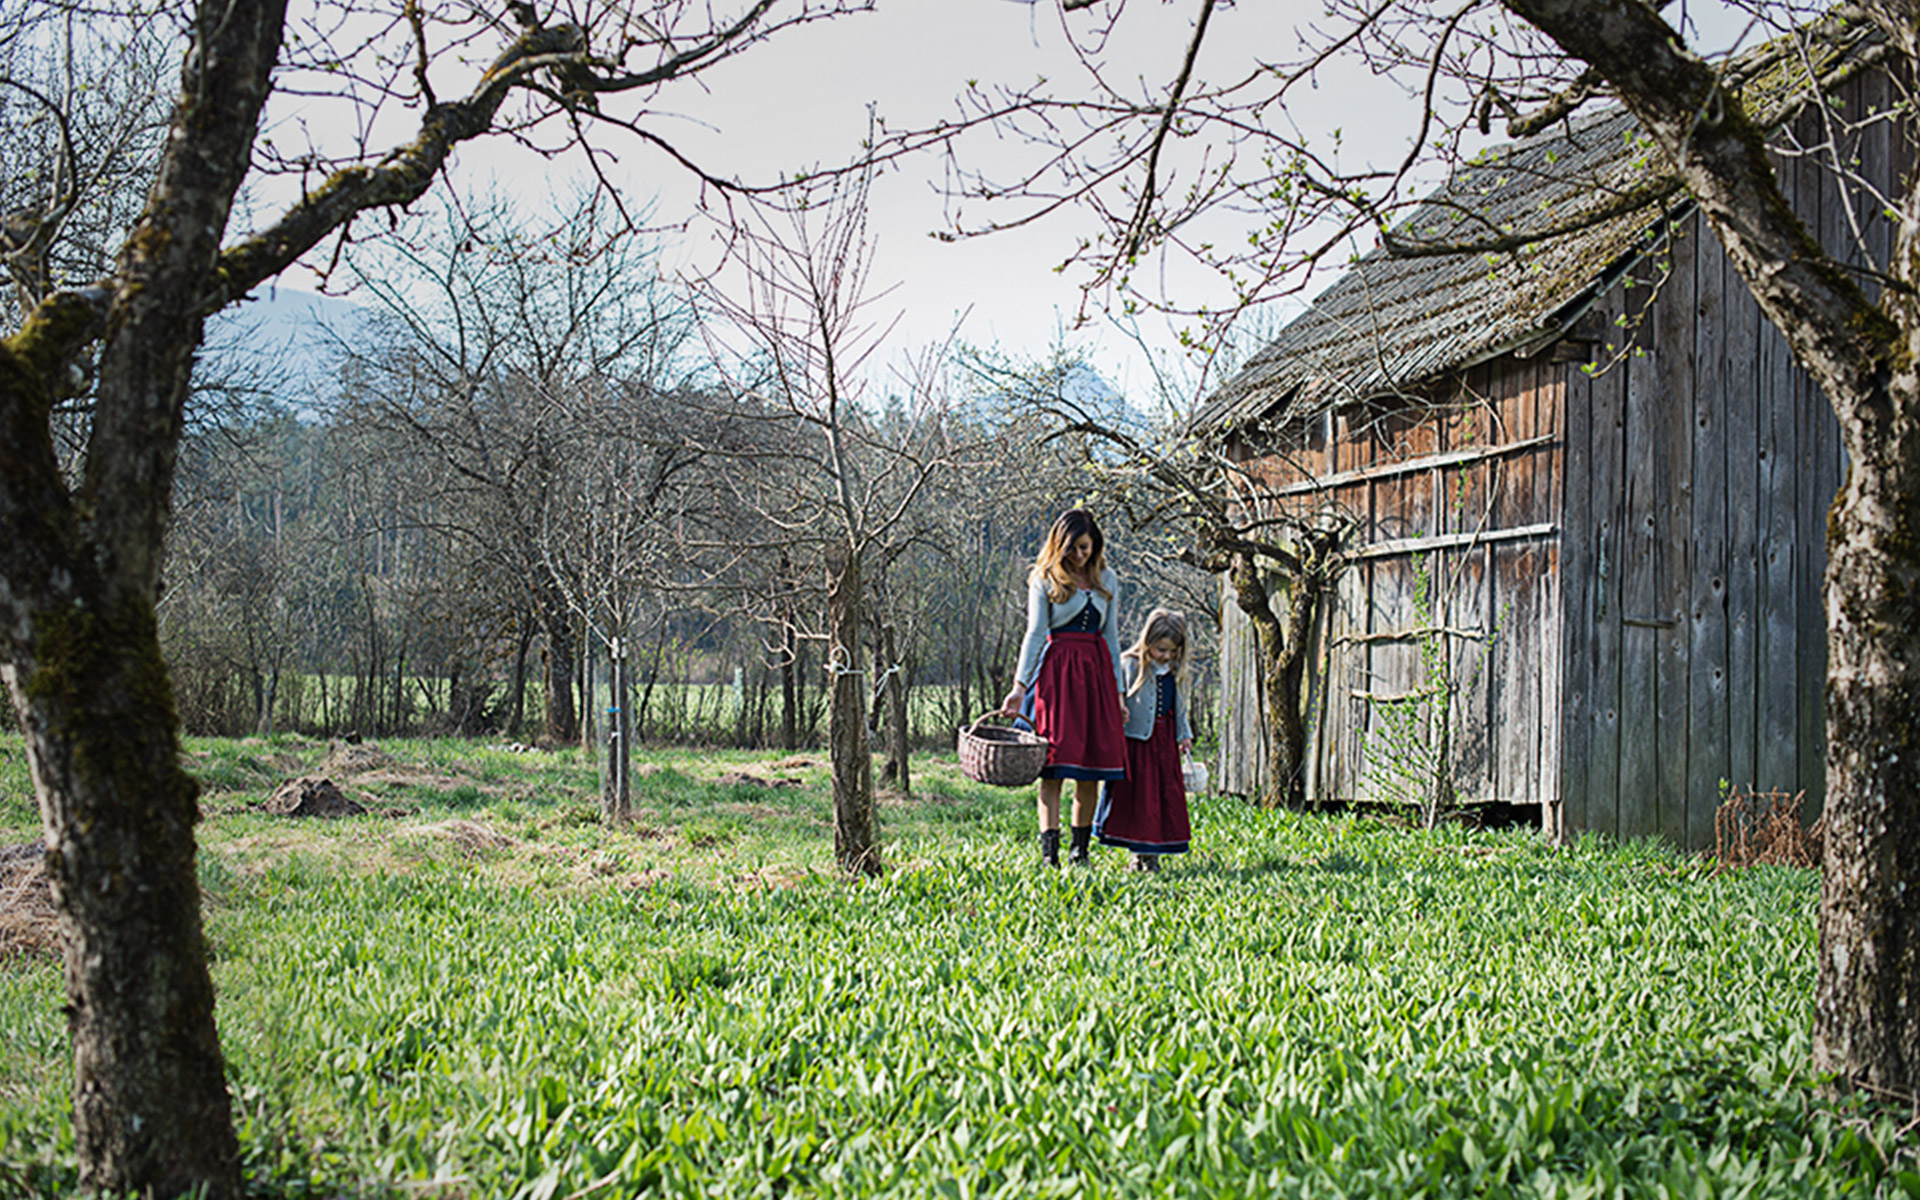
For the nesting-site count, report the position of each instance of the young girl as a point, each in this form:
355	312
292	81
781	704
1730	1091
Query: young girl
1067	683
1147	811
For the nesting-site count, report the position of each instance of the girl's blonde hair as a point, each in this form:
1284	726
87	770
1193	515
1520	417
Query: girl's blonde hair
1050	567
1163	624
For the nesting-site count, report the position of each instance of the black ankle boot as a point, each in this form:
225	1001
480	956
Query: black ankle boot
1050	847
1082	842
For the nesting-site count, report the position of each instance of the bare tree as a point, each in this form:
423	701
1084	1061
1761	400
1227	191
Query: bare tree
849	490
81	118
529	370
964	578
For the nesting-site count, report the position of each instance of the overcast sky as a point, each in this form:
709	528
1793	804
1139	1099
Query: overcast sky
803	99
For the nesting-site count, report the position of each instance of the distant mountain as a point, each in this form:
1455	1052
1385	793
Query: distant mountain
288	335
1089	389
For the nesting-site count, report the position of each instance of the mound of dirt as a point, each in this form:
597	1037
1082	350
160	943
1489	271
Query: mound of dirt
472	837
312	796
770	878
739	778
351	758
28	925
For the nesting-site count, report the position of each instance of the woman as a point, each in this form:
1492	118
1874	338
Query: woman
1068	681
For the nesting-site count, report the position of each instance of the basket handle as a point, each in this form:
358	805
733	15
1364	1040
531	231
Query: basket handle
974	724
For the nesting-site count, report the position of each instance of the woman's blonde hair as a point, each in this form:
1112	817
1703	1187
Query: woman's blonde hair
1050	567
1163	624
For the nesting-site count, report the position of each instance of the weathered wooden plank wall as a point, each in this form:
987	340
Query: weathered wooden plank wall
1710	460
1543	764
1432	559
1674	324
1467	495
1511	660
1579	577
1348	659
1744	419
1709	710
1607	460
1245	739
1645	461
1242	769
1741	488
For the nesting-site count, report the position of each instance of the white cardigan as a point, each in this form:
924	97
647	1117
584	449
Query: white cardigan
1044	616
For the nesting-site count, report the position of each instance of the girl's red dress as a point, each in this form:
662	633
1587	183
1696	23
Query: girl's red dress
1147	811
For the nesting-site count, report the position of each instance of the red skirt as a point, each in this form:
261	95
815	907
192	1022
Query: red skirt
1147	811
1075	702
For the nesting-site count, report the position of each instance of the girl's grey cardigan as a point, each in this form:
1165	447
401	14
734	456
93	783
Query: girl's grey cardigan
1044	616
1141	705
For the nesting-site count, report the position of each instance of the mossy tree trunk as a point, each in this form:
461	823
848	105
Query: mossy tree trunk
150	1101
1280	639
1867	1000
1866	1026
84	669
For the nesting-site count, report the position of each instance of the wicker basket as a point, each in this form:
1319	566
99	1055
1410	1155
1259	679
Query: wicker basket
1001	756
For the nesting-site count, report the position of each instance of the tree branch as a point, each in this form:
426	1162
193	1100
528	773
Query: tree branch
1136	232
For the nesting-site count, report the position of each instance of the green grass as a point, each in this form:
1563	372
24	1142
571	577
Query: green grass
696	1005
19	814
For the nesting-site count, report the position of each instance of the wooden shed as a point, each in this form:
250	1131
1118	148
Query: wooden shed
1585	493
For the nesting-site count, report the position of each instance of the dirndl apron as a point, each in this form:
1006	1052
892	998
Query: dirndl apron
1075	704
1147	811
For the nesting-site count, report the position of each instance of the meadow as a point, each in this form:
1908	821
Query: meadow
475	990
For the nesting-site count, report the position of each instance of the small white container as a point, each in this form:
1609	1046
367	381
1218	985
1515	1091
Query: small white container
1194	775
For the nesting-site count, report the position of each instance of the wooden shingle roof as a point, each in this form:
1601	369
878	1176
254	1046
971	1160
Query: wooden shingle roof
1393	323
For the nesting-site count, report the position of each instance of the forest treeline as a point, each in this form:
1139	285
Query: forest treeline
534	444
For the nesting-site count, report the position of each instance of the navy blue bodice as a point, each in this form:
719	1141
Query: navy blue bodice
1087	620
